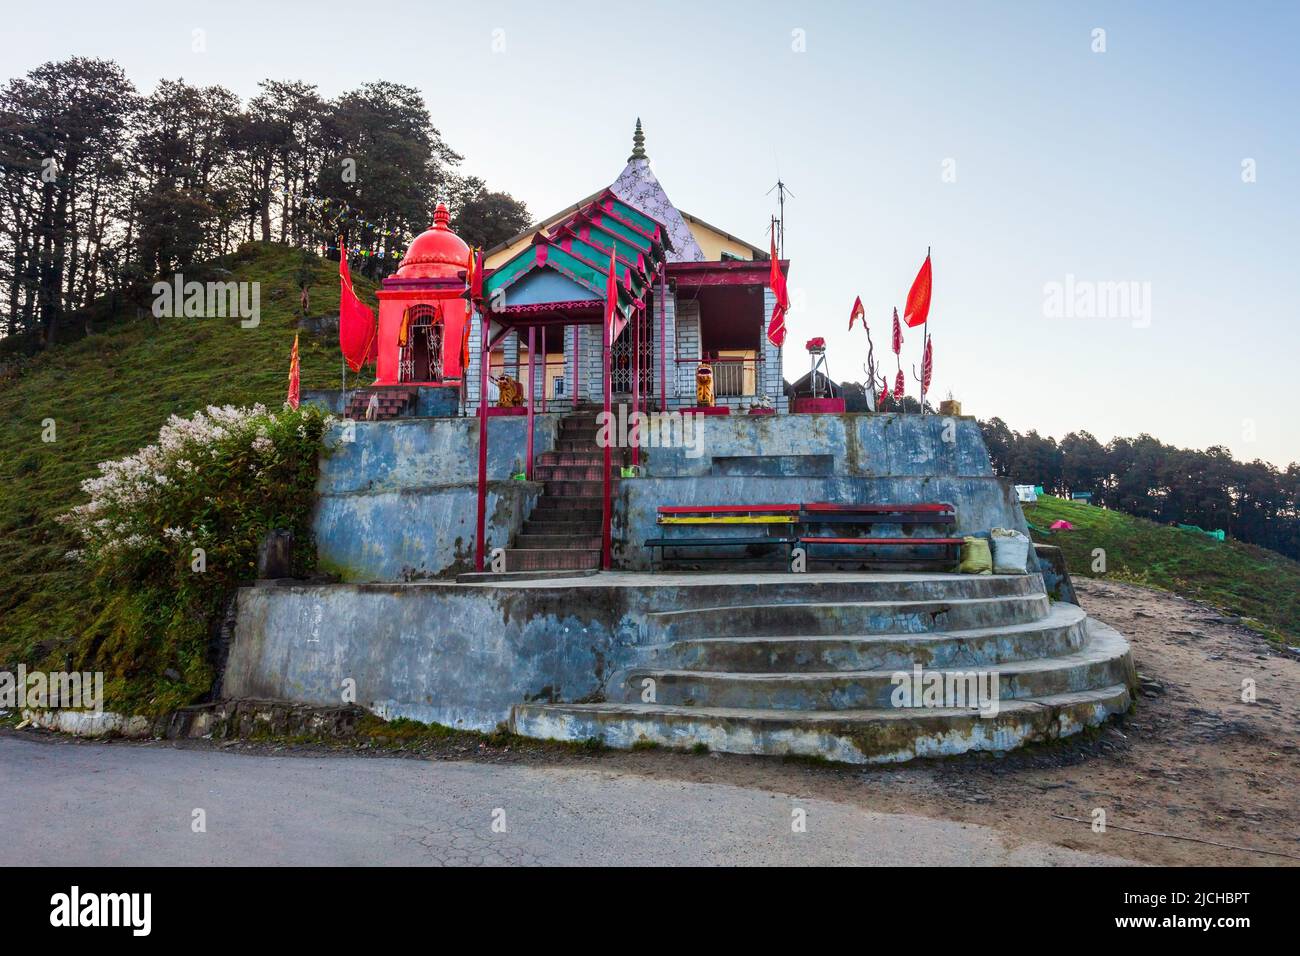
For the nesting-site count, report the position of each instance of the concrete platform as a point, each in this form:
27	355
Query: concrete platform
752	663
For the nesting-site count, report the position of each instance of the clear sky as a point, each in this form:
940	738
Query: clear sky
1122	166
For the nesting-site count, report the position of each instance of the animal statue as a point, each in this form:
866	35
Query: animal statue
704	385
510	392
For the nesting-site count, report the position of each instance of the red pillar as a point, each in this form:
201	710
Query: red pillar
532	390
481	527
663	336
636	381
607	506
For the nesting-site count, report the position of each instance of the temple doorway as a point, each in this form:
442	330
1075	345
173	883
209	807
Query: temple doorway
421	345
620	363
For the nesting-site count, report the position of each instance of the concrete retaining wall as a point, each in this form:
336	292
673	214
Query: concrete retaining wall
458	655
398	502
398	499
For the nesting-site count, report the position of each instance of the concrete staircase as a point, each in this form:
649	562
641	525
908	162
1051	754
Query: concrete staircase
812	673
391	402
563	531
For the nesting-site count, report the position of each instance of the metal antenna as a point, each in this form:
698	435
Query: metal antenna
781	190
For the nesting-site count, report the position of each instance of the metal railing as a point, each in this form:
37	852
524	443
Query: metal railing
733	376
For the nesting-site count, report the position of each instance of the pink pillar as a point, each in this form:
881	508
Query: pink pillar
636	381
607	506
481	526
532	390
663	336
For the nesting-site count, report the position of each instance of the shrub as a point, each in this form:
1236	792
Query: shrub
170	531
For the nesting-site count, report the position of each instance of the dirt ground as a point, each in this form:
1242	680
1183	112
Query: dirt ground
1192	760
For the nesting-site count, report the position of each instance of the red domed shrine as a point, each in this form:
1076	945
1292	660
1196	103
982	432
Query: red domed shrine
422	313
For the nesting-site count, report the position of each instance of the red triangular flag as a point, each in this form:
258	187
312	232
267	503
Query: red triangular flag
884	393
918	298
900	388
614	318
927	366
898	335
292	400
858	313
776	279
356	321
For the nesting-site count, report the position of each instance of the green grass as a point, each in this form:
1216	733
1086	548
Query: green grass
108	394
1257	584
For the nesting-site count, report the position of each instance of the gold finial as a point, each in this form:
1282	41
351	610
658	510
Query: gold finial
638	143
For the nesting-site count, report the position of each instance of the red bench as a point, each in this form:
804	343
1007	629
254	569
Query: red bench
930	514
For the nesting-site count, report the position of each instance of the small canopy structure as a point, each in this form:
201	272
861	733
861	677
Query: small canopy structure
561	278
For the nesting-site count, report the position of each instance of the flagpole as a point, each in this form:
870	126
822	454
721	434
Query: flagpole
925	330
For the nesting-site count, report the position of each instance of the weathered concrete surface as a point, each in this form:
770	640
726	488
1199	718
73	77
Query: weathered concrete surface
1056	576
400	500
460	655
464	654
133	806
857	445
847	736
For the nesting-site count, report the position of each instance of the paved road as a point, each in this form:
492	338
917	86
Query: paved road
109	805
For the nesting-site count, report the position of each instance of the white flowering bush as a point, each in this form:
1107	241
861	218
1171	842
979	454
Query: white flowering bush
171	530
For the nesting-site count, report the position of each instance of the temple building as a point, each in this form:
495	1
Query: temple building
701	293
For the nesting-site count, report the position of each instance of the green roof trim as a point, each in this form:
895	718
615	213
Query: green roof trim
570	251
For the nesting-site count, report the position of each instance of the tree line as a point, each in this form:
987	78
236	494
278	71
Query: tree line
104	187
1253	501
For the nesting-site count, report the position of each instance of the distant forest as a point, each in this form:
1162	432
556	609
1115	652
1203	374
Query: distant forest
1254	502
104	187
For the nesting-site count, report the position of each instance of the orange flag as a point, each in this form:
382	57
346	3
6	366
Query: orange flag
858	313
776	327
292	400
356	321
918	297
612	313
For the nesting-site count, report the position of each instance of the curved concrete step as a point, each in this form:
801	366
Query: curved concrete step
839	618
681	591
864	736
1062	631
1103	661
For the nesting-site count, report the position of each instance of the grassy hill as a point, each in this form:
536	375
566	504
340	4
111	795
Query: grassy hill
1259	585
108	394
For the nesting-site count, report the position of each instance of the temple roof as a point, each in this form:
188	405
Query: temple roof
577	250
639	188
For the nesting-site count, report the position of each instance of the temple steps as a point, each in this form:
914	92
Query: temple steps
1063	631
848	736
550	542
1103	661
594	488
838	618
563	532
551	559
783	665
391	402
572	473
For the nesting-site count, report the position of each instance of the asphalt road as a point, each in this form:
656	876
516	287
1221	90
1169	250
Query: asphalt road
91	804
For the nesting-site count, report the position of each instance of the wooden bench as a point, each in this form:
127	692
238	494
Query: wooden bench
782	516
934	514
